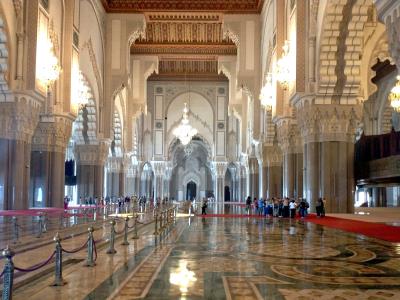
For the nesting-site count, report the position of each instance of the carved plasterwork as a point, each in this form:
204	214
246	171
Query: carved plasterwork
288	135
52	133
272	156
323	123
219	168
341	47
4	72
159	167
92	154
184	33
226	6
19	117
88	44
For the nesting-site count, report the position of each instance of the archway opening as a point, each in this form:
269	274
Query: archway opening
227	197
191	190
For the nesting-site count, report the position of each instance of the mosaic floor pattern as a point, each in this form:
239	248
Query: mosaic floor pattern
222	258
234	259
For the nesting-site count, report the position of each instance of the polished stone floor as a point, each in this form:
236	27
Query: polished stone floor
236	258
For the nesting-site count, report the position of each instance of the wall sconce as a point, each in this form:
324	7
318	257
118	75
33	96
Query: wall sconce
284	66
266	95
394	96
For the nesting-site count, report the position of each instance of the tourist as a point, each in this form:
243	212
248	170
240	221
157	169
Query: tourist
248	205
285	212
303	208
260	206
204	207
292	206
319	207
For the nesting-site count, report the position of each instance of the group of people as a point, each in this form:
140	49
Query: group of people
284	208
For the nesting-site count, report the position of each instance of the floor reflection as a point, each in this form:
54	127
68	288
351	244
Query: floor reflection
255	258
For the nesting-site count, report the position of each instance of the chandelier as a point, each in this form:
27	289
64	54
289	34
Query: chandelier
48	70
284	65
80	89
394	96
267	93
185	132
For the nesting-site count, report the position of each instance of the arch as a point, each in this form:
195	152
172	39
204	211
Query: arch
85	126
4	59
339	75
201	115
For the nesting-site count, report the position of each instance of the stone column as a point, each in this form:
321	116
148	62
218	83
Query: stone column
261	179
238	185
336	175
19	115
219	180
273	171
328	132
115	174
291	144
48	160
90	162
254	177
159	173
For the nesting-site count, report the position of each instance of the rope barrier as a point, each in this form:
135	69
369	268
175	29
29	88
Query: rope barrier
37	266
77	249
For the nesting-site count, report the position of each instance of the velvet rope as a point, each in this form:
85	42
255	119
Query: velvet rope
37	266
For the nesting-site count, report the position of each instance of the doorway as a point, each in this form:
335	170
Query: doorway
227	194
191	190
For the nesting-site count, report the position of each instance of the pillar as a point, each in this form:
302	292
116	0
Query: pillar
90	163
47	172
337	182
19	115
219	180
159	169
312	173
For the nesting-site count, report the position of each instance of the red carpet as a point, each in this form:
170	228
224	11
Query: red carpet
374	230
229	216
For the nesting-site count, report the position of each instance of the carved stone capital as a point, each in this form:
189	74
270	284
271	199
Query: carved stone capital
115	164
159	167
288	134
328	122
92	154
272	156
52	133
219	168
19	115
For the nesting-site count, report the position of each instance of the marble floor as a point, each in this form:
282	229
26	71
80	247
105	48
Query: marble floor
235	258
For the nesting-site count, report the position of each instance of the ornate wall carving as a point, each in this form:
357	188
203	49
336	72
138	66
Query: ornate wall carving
52	133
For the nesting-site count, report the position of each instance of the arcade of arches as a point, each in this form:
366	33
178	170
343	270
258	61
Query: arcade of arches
289	98
137	64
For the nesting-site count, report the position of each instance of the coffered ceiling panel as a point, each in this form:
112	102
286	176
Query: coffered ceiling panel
225	6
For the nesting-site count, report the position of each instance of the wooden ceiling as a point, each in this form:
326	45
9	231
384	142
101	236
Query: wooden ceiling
224	6
186	35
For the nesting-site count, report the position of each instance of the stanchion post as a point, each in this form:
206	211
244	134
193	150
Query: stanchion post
40	225
155	223
44	222
90	261
135	231
8	279
58	280
15	229
111	249
125	242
